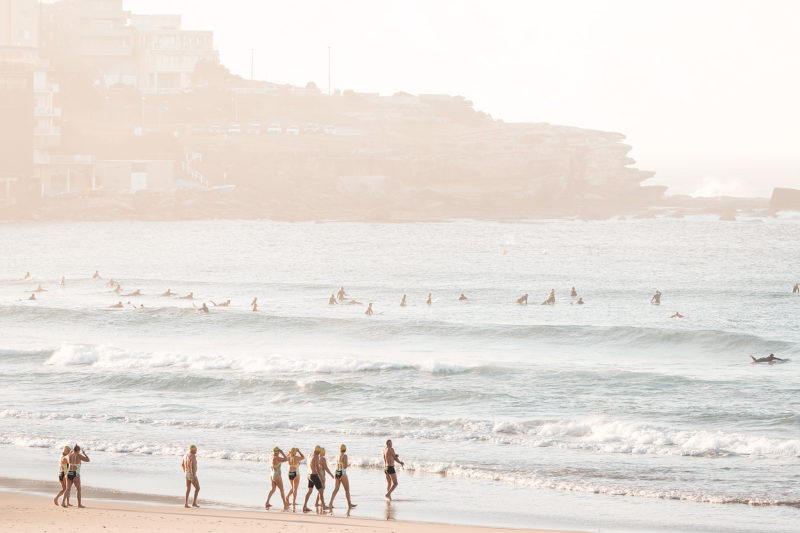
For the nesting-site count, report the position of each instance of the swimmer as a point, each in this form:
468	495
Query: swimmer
189	296
332	300
353	302
254	302
32	296
27	276
323	463
168	293
580	301
572	292
341	477
341	295
403	301
137	292
74	460
523	300
796	288
368	312
202	309
677	315
275	477
118	289
62	282
314	480
39	289
462	298
769	359
226	303
255	306
96	275
389	458
429	301
111	283
117	305
656	299
189	466
295	456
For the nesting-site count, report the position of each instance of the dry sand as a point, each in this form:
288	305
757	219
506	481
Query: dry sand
23	513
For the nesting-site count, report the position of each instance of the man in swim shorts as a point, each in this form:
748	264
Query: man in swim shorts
189	466
389	458
769	359
314	480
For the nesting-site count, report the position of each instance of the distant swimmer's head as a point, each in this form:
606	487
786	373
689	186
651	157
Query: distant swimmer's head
66	450
193	449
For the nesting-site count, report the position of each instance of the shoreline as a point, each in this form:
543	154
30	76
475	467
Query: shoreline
27	510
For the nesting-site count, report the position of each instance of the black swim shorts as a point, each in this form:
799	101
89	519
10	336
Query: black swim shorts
389	470
314	481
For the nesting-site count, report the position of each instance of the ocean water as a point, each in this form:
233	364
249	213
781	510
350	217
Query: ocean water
608	416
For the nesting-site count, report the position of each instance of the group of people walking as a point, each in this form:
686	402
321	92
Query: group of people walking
69	471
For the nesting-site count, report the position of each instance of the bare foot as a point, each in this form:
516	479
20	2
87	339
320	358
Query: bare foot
55	501
267	506
388	496
325	508
353	505
80	506
195	505
306	510
64	505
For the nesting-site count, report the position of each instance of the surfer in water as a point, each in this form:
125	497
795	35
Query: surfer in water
580	301
39	289
678	315
118	289
28	276
117	305
796	288
403	301
462	298
202	309
63	281
523	300
189	296
368	312
769	359
332	300
656	299
341	295
429	301
168	293
226	303
96	274
551	298
137	292
32	296
572	292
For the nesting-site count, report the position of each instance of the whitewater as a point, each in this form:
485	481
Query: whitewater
504	414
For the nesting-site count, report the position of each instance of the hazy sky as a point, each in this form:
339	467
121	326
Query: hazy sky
706	91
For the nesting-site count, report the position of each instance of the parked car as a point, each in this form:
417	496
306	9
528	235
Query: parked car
292	130
274	128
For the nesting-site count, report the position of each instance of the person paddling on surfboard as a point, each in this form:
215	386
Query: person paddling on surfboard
769	359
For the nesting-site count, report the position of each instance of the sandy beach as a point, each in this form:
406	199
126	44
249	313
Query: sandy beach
24	513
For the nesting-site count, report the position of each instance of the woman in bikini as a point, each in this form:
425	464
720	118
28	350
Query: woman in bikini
63	465
295	456
75	458
275	477
341	477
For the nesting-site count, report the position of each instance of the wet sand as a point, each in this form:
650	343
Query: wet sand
25	513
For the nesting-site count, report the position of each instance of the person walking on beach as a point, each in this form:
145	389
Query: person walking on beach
189	466
63	465
275	477
74	460
389	458
341	477
323	468
314	480
295	456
